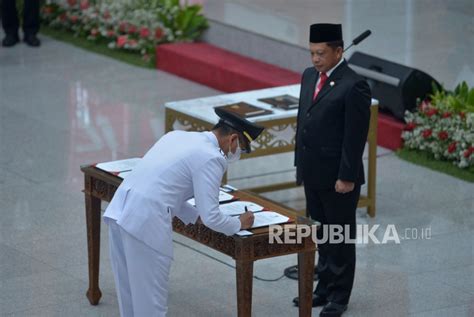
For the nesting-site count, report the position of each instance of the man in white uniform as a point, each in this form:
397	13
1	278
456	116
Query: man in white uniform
179	166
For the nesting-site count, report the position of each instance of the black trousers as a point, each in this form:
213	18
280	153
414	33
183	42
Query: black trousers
336	262
11	22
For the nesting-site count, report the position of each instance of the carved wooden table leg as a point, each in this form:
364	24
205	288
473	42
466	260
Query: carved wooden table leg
93	247
244	271
305	282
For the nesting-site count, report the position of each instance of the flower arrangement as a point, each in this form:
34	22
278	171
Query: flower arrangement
137	25
444	126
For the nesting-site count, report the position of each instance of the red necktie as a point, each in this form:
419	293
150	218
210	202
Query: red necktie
323	78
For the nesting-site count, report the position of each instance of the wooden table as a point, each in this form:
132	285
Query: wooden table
278	136
100	186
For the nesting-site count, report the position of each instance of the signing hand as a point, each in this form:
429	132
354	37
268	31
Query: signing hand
246	220
343	187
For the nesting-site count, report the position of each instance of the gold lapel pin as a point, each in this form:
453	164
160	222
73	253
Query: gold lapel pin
331	83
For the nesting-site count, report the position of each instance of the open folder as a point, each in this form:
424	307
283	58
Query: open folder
223	197
264	219
119	168
238	207
268	218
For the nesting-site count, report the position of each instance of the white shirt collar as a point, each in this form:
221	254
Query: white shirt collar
212	137
329	72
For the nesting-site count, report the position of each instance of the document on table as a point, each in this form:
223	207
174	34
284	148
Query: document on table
123	174
238	207
268	218
121	166
223	197
228	188
244	233
264	219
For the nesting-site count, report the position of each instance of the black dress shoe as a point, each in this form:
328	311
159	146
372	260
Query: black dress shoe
332	309
32	40
317	301
10	40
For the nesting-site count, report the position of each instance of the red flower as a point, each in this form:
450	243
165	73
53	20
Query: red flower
452	147
446	115
122	40
73	18
426	133
94	32
106	15
410	126
146	57
110	33
132	43
158	33
63	17
462	114
132	29
47	10
469	151
144	32
425	104
443	135
84	4
123	27
72	2
430	112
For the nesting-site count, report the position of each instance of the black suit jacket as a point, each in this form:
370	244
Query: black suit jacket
332	130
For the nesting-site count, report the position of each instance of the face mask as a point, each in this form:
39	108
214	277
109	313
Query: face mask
234	157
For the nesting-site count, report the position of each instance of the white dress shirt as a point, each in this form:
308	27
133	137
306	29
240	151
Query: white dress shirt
179	166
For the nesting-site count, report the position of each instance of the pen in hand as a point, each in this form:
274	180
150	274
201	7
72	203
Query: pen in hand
246	219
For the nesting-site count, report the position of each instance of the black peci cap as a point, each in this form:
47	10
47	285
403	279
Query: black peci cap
249	130
325	32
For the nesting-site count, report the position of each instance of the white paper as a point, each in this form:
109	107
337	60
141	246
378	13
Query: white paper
228	188
222	197
119	166
238	207
122	175
244	233
267	218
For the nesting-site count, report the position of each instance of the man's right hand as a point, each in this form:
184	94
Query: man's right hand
246	220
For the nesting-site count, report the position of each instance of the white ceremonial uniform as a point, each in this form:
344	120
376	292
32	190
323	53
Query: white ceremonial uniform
179	166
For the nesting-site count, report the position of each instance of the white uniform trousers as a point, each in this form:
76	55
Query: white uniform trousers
141	275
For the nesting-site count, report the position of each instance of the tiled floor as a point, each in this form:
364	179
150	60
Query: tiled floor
61	107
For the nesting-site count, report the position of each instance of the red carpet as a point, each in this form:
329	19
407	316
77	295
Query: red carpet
221	69
389	131
230	72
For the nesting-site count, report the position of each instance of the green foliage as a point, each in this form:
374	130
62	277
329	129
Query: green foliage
50	12
99	47
186	21
134	25
20	9
459	100
427	160
444	126
148	4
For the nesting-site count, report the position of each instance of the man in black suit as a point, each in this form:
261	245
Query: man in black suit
333	122
11	24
